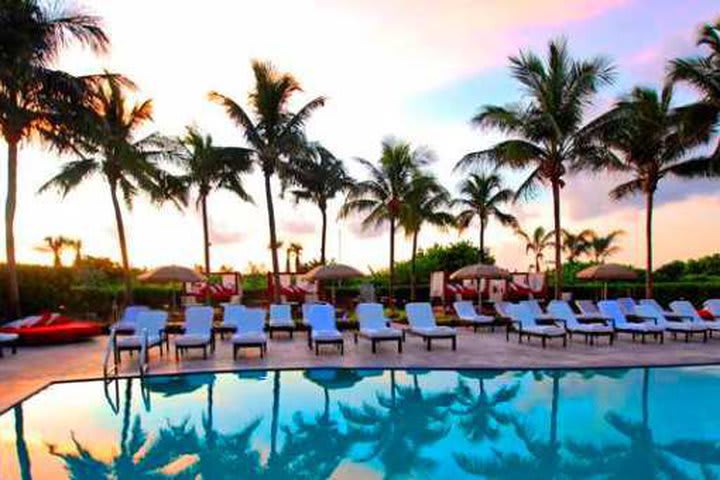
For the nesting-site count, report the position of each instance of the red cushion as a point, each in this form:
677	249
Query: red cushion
704	313
71	331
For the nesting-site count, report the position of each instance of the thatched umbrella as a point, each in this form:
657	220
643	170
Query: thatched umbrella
606	272
477	272
170	274
333	272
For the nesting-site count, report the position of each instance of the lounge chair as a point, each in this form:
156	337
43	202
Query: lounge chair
126	325
687	311
305	320
502	309
535	308
422	322
644	327
198	331
627	305
250	332
9	340
561	310
231	317
687	327
149	331
323	328
669	314
375	327
465	312
281	319
713	306
524	323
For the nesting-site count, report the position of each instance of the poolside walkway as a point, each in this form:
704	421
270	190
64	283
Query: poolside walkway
34	368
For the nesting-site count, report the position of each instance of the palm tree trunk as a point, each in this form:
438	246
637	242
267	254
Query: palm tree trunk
323	235
481	256
412	264
123	244
21	446
391	279
13	305
645	396
554	411
275	417
57	260
206	234
273	240
648	242
558	243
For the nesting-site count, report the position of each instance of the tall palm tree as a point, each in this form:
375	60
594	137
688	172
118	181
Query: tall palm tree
604	246
105	140
319	177
77	246
209	167
536	243
649	139
296	250
382	197
273	132
56	245
34	98
483	195
576	244
425	204
547	128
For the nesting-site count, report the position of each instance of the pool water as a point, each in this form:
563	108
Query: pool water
342	423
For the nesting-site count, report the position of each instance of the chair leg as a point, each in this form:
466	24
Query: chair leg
317	349
428	343
374	346
342	349
235	350
177	353
262	352
1	352
205	352
355	337
454	343
565	341
400	345
14	347
544	342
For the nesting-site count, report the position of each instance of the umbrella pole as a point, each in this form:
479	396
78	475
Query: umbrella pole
479	296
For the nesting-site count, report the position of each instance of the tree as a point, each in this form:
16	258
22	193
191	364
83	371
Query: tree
383	196
648	139
482	196
319	177
77	245
425	204
603	246
548	131
537	243
208	167
296	250
275	135
576	244
104	138
56	245
34	98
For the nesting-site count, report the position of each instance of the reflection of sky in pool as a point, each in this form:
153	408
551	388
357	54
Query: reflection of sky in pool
635	424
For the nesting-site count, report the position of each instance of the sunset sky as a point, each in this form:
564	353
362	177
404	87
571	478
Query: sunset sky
414	69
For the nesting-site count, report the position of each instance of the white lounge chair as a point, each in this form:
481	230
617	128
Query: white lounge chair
713	306
231	316
127	323
560	309
669	314
535	308
621	324
149	331
465	312
198	332
588	307
305	320
323	328
281	319
688	327
250	331
422	322
503	310
627	305
375	327
8	340
524	323
687	311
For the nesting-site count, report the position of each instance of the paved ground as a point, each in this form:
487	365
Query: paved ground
33	368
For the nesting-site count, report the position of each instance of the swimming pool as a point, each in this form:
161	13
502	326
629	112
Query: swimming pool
614	423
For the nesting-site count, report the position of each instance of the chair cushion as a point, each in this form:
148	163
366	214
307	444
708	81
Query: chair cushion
282	323
380	333
709	325
8	337
480	319
686	326
246	338
326	335
548	330
124	327
434	332
591	328
135	341
192	340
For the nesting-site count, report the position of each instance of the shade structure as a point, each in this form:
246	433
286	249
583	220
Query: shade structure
479	270
171	273
335	271
606	272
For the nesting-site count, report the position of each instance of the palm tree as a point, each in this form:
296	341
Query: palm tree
482	196
319	177
603	246
275	135
425	204
649	139
537	243
382	197
576	244
105	139
548	131
77	246
34	98
56	245
296	250
209	167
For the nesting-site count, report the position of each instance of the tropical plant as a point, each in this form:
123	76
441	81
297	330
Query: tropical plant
649	139
536	243
275	135
208	167
77	246
56	246
425	204
549	136
604	246
576	244
482	196
36	99
319	176
383	196
105	140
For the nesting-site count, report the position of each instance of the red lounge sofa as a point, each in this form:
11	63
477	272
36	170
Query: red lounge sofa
51	329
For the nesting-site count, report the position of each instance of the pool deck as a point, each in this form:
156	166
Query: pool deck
35	367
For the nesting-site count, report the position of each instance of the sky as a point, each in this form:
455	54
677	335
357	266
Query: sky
414	69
